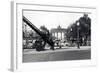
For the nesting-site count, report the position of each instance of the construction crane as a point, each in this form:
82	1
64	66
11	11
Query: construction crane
44	36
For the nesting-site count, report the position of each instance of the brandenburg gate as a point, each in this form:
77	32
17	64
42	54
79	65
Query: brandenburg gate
58	32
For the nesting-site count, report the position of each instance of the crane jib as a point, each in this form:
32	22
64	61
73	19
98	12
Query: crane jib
43	36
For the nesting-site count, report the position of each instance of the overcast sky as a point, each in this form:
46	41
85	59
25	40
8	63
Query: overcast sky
51	19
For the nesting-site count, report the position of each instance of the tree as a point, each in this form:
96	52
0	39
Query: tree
43	28
84	29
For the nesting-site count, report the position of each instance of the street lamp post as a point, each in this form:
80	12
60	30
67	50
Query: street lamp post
78	42
71	35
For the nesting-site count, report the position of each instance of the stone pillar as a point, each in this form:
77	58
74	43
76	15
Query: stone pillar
57	35
54	34
61	35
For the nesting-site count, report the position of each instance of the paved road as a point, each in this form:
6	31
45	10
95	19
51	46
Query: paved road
68	53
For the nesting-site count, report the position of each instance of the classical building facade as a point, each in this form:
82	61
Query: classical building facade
58	32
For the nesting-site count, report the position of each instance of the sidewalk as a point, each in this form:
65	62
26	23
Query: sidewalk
33	51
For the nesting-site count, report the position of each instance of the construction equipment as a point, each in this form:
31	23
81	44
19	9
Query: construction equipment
44	36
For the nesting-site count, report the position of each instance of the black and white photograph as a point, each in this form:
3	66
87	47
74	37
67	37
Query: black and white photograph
49	35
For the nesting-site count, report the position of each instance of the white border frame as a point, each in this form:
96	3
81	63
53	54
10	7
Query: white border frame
16	51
